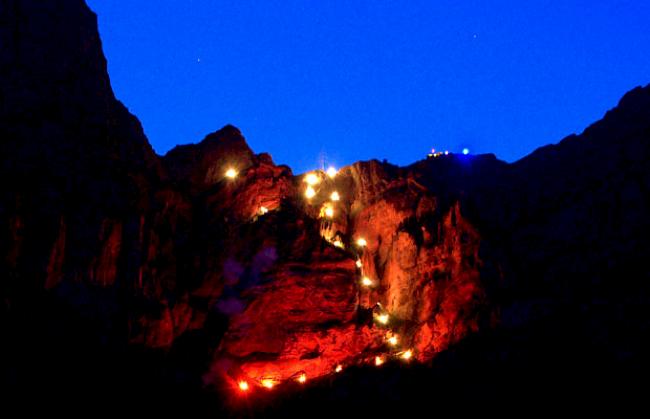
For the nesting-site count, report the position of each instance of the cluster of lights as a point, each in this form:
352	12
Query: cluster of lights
312	179
435	153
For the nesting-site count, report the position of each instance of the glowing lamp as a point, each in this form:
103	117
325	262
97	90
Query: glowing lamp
358	263
361	242
243	385
302	378
379	360
338	243
446	153
268	383
382	318
407	355
331	171
310	192
312	179
231	173
366	282
466	151
329	212
335	196
392	341
338	368
263	210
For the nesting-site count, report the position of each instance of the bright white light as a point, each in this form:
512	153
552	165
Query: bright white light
310	192
358	263
379	360
392	341
339	368
338	243
407	355
366	282
312	179
361	242
466	151
243	385
263	210
382	318
231	173
302	378
331	171
268	383
335	196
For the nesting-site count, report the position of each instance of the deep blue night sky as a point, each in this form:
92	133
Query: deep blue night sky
342	81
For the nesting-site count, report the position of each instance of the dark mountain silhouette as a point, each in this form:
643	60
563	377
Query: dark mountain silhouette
131	280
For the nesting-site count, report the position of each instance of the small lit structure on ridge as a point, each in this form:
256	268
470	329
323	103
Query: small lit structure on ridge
331	171
466	151
231	173
263	210
338	368
302	378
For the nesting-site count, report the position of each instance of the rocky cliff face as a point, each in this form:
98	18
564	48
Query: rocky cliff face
271	277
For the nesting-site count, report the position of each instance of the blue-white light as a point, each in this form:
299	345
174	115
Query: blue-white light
466	151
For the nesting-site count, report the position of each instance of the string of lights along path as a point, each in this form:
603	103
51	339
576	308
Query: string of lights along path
382	317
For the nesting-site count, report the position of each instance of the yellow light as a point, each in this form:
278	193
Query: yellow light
358	263
331	171
310	192
361	242
366	282
243	385
382	318
338	243
407	355
268	383
392	341
302	378
312	179
329	212
231	173
335	196
339	368
263	210
379	360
